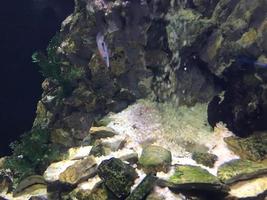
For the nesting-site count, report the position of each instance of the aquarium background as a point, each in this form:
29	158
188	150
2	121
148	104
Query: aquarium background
26	26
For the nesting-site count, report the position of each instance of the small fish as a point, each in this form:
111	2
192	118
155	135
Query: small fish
102	48
245	60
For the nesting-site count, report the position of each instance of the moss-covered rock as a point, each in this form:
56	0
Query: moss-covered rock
205	159
143	188
155	158
236	170
252	148
190	178
117	176
192	174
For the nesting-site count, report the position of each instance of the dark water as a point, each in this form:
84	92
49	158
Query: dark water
25	26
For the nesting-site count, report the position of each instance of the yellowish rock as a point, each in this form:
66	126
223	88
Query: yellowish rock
249	188
81	170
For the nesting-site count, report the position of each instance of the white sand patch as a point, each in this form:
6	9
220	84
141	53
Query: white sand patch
178	129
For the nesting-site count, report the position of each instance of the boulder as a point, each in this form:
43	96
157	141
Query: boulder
155	158
252	188
189	178
237	170
117	176
79	171
101	132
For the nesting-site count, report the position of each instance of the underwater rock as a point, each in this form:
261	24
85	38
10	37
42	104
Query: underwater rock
143	188
101	132
99	150
117	176
51	175
28	182
82	98
131	157
237	170
6	181
205	159
78	123
190	177
33	190
251	148
155	158
59	136
39	197
115	143
98	192
79	171
251	188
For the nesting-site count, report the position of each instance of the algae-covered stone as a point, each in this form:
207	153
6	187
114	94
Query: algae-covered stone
117	176
187	177
236	170
252	148
206	159
155	158
143	188
192	174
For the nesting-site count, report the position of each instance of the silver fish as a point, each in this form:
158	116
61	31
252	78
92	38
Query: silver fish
102	48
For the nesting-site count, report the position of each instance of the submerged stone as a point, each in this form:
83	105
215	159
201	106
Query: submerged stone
252	148
29	181
79	171
205	159
101	132
143	188
117	176
249	188
155	158
237	170
187	177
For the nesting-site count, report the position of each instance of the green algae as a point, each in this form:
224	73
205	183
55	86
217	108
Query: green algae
236	170
185	174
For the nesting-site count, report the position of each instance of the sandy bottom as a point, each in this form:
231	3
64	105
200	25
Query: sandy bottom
181	130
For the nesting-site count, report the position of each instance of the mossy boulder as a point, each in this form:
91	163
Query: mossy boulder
237	170
117	176
192	174
187	177
205	159
252	148
155	158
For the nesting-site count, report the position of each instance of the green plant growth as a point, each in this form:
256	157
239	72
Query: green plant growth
52	66
31	155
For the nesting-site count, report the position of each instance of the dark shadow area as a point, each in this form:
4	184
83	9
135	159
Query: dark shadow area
25	26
